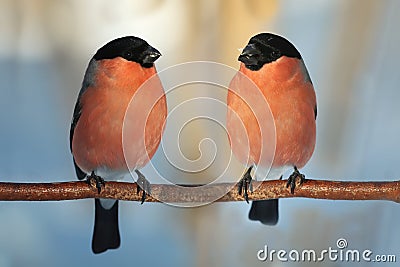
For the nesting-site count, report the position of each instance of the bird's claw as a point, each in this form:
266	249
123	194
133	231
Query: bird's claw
97	180
292	179
245	184
142	185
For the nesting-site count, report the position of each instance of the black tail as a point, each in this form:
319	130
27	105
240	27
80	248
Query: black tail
106	230
265	211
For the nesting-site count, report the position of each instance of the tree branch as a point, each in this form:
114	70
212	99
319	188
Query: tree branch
319	189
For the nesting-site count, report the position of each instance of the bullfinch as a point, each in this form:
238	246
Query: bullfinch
113	77
276	68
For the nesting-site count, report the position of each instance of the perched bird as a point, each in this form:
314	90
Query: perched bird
276	69
112	79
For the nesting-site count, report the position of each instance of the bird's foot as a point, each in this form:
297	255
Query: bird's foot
96	179
292	179
245	184
142	185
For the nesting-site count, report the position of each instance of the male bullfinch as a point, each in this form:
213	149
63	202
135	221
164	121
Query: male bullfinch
277	69
113	77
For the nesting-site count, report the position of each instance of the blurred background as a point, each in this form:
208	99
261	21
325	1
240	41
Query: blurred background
351	51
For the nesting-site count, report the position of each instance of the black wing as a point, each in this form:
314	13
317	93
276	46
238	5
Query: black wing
75	119
77	113
315	111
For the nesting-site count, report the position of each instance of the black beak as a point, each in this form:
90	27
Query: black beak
150	55
250	55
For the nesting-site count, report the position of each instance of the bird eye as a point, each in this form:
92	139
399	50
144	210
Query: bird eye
128	54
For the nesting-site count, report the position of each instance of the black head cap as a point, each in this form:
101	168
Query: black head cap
130	48
264	48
